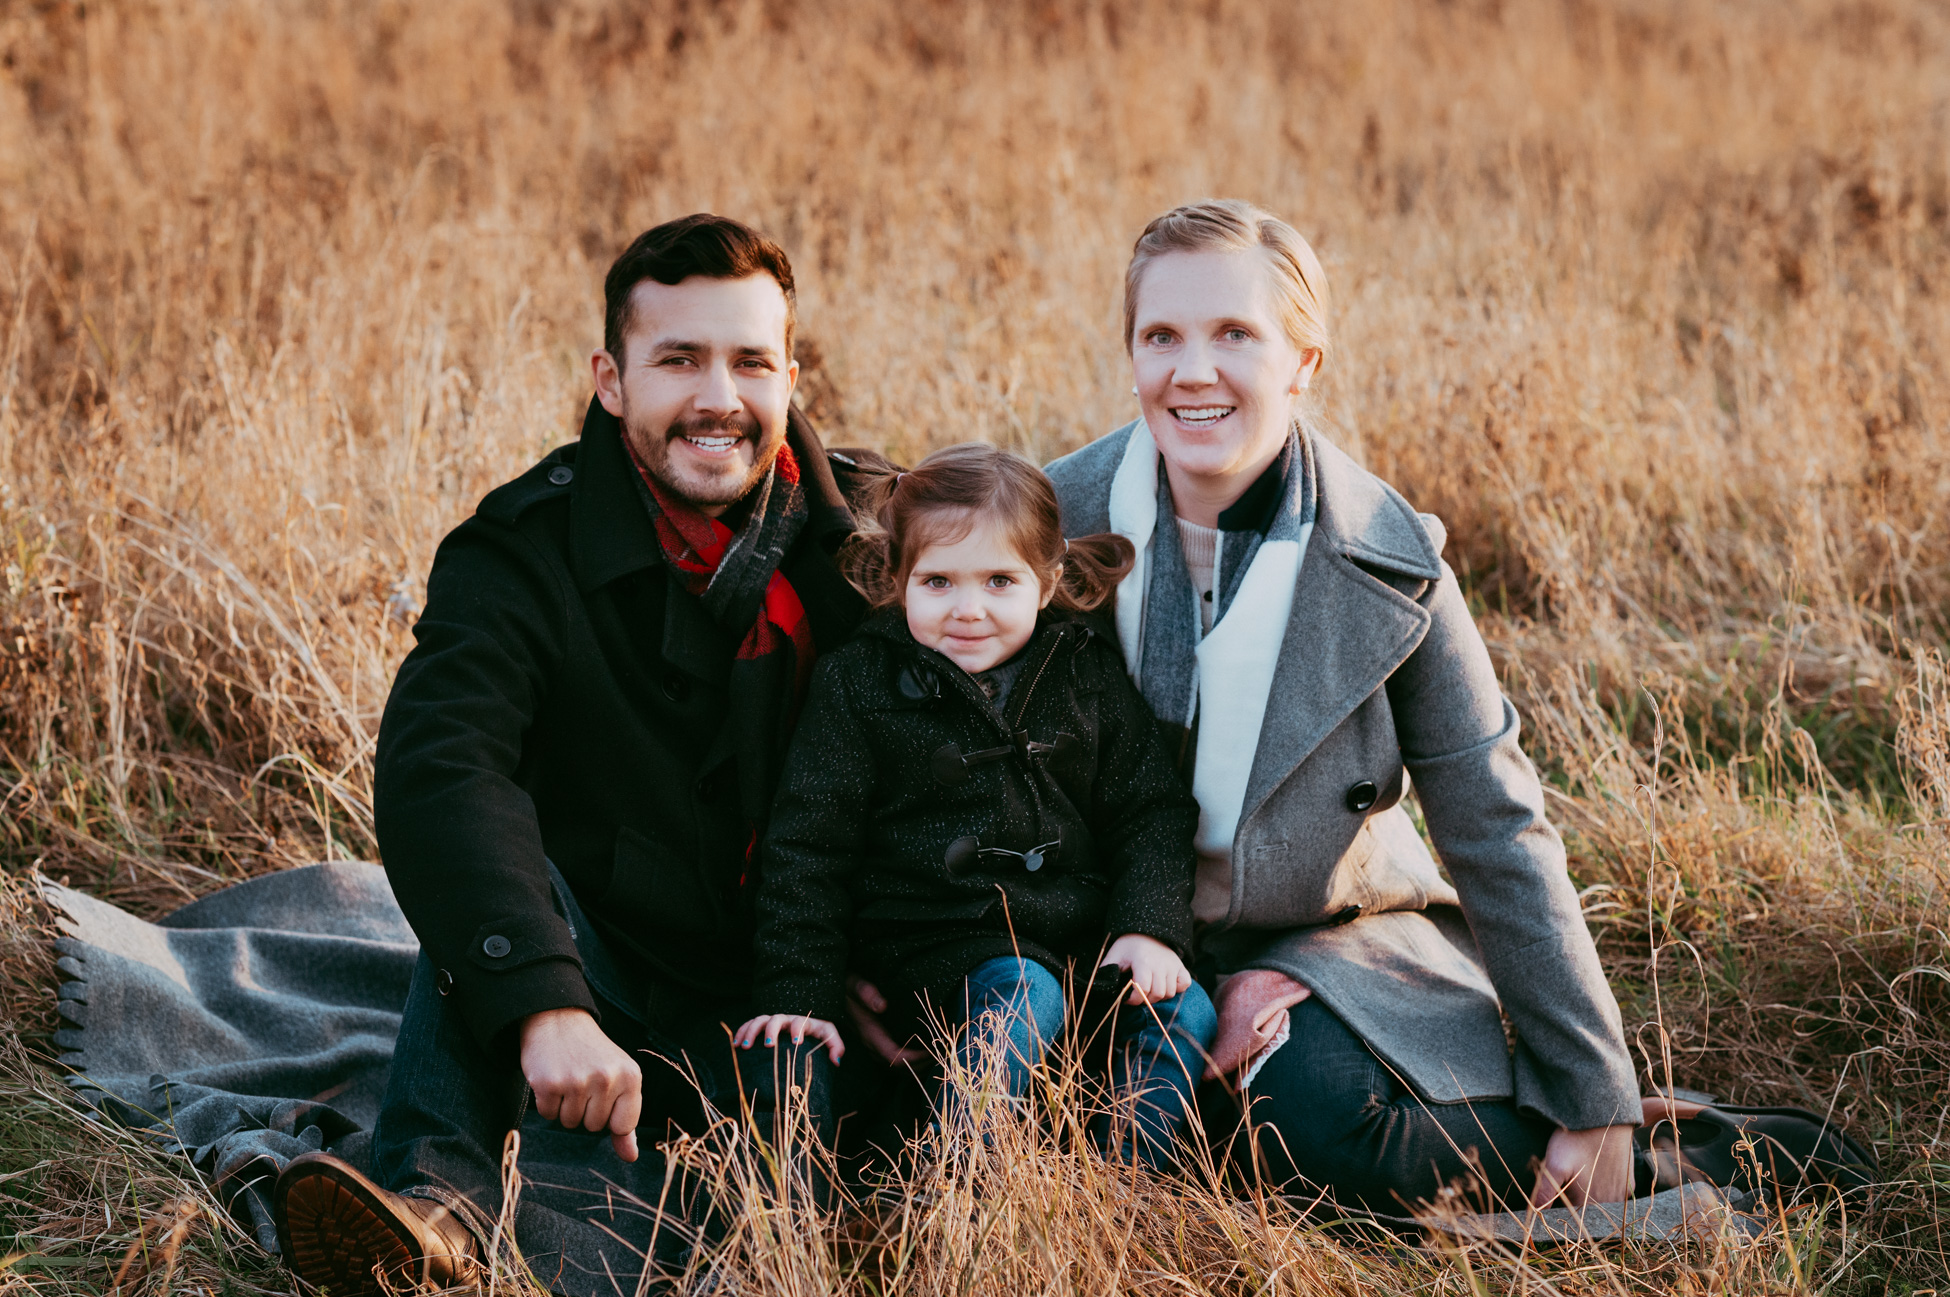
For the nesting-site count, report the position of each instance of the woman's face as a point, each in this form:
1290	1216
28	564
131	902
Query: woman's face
1216	374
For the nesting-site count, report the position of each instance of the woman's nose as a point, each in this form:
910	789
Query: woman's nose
1194	368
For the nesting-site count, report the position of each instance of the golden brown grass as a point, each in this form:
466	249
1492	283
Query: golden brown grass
1646	299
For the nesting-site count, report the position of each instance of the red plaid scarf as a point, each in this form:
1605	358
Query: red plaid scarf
696	545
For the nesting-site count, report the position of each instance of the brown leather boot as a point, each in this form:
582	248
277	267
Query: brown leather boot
339	1230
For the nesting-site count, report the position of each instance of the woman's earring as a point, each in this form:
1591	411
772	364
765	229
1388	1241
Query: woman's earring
1134	391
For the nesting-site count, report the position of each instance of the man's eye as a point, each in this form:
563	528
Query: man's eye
675	360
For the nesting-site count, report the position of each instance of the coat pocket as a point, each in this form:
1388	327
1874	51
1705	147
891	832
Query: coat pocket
1286	888
655	889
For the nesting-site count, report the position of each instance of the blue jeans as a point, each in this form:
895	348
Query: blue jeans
1156	1053
450	1103
1328	1114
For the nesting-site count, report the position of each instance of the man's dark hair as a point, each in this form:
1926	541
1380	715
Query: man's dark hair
716	247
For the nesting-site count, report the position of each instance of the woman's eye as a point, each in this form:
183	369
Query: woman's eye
1158	338
1238	335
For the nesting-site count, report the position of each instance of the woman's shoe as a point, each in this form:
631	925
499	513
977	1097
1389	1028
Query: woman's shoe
339	1230
1754	1150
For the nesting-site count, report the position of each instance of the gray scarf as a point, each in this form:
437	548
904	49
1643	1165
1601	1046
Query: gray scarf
1276	507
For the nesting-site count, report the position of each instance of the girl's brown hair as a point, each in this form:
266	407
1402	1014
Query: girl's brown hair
941	499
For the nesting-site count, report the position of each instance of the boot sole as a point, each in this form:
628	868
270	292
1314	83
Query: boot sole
338	1234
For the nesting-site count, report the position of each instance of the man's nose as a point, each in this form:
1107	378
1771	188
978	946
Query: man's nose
718	394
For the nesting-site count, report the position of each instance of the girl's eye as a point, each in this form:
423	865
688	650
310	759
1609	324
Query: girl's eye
1001	582
935	582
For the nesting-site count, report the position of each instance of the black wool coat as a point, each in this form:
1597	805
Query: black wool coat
567	699
899	754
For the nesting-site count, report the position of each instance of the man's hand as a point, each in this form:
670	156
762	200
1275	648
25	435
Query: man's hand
1584	1166
799	1024
865	1004
1157	973
1252	1009
581	1077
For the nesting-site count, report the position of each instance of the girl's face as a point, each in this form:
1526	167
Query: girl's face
974	600
1216	374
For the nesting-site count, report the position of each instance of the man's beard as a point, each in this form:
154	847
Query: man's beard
691	481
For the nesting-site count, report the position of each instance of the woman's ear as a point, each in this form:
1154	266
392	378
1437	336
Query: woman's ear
1304	377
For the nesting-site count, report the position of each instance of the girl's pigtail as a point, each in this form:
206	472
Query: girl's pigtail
866	559
1092	567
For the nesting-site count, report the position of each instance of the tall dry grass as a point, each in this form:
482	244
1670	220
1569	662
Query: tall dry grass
1647	300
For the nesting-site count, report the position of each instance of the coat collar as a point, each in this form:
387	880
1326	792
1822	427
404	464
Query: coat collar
611	532
1348	630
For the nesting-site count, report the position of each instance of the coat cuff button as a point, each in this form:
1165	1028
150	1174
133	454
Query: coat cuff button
1361	796
561	475
496	947
443	982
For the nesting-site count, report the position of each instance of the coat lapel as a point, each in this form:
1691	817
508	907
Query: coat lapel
1347	631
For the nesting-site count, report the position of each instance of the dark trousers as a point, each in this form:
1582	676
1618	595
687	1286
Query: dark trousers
1327	1114
583	1214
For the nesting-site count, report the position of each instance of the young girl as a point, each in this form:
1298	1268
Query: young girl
977	795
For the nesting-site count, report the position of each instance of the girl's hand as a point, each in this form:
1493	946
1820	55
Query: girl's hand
1157	973
800	1025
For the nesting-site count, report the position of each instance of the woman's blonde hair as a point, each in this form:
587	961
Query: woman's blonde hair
1232	225
944	496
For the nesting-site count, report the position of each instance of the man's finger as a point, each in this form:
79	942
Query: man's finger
869	995
623	1119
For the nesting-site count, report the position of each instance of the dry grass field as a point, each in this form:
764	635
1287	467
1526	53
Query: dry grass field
1648	299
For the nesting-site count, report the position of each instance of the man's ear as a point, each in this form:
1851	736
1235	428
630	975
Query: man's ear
609	382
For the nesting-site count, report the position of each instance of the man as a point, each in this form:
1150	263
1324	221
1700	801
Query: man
572	772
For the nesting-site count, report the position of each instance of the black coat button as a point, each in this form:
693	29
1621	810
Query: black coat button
1361	796
443	981
496	946
677	686
1346	914
561	475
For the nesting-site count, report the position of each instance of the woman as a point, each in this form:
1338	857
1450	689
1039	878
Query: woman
1291	622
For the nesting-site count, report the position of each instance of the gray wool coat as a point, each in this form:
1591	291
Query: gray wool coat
1382	678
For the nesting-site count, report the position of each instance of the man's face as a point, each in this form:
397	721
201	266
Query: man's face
703	384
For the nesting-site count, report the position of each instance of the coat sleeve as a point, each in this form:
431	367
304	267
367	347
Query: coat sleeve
1484	807
1143	818
459	836
813	844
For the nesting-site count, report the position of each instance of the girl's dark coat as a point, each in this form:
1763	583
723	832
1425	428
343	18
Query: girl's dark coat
854	864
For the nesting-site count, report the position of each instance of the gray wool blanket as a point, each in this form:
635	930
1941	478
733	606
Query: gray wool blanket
258	1023
246	1028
